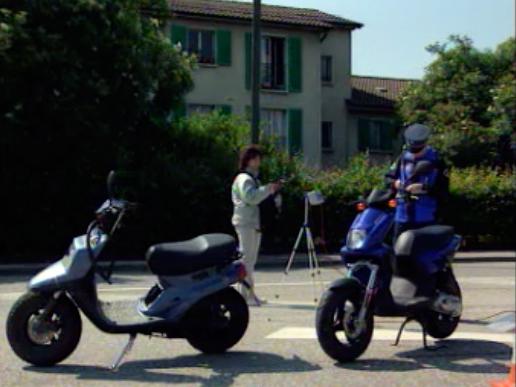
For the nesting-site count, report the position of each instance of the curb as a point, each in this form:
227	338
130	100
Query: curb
271	261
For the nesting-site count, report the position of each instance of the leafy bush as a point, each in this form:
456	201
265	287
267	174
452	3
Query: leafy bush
482	206
467	97
86	86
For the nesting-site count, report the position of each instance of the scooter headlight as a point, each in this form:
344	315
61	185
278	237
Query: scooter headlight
356	239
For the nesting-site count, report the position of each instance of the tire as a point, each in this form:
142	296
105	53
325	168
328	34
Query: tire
65	319
217	322
329	320
439	325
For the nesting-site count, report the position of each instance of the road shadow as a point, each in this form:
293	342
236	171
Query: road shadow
225	368
461	356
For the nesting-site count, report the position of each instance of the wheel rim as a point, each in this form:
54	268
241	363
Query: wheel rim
43	332
220	317
345	320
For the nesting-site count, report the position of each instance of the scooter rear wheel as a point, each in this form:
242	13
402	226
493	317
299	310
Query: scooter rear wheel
335	323
217	322
439	325
43	342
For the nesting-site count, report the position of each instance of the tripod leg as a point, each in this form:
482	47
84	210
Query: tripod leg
315	260
311	263
291	257
294	251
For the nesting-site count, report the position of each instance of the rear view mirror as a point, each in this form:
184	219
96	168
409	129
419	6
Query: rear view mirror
422	167
111	184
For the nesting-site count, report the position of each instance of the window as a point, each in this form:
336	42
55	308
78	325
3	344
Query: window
326	68
202	44
196	108
327	135
274	124
375	135
273	63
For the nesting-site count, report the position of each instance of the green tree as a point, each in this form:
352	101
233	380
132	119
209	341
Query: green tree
86	86
467	96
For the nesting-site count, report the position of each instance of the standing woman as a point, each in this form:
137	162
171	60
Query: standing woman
247	194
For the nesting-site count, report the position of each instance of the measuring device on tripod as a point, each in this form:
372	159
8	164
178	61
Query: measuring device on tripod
311	199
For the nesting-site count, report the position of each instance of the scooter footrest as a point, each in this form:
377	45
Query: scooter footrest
412	303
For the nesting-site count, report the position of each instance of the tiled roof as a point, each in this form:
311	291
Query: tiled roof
375	92
270	13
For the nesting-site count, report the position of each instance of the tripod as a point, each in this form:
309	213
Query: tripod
313	262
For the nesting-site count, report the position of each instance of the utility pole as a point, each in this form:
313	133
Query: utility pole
255	73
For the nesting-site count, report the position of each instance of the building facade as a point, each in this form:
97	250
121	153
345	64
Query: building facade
373	125
305	70
310	103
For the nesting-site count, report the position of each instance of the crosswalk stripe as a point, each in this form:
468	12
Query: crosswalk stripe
307	333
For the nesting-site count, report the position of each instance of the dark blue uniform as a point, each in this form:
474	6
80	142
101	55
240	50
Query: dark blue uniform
420	212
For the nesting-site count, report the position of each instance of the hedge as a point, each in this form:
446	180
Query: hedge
187	192
481	205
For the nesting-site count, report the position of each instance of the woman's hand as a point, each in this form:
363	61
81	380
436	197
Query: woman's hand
274	187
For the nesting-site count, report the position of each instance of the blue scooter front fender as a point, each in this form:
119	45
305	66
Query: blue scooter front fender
348	284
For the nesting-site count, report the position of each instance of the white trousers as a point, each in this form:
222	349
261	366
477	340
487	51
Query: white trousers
249	244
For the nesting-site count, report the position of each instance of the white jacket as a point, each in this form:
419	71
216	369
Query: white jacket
247	194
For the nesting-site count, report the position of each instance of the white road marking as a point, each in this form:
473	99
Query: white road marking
306	333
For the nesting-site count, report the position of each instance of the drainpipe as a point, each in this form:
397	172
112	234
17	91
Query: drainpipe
255	76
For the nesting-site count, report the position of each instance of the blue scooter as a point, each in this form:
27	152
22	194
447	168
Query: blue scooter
388	281
193	297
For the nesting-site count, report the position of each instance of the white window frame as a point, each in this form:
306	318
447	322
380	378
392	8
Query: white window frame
199	32
279	130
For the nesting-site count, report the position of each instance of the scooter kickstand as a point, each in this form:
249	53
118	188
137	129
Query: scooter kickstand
435	347
400	331
125	350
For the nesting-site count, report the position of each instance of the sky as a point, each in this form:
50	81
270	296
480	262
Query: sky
395	33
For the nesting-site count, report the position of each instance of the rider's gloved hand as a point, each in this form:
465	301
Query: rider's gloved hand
416	188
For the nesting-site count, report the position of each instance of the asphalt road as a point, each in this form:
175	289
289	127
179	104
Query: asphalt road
280	348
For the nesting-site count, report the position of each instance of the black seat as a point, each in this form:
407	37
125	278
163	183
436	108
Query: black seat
429	238
189	256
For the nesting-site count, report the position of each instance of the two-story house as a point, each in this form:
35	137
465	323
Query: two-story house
305	71
372	120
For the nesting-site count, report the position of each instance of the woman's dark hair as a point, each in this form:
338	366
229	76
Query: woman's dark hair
247	154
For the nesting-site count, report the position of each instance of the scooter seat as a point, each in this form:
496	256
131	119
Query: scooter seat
429	238
181	258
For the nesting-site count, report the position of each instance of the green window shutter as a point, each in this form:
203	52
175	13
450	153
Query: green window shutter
295	66
223	47
295	131
248	59
386	136
225	110
178	35
363	134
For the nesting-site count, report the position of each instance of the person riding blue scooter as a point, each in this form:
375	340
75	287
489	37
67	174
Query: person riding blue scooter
428	186
418	196
412	278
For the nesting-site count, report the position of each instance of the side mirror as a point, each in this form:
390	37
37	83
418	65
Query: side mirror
422	167
111	184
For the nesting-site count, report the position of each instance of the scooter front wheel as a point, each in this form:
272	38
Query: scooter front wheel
217	322
338	331
39	339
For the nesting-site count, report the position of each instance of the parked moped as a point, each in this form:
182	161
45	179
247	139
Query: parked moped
193	297
387	281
